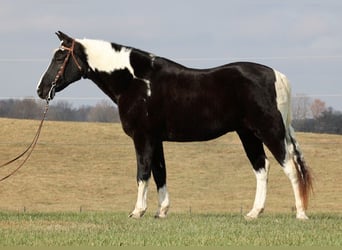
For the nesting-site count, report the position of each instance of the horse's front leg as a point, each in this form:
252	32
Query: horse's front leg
144	153
141	204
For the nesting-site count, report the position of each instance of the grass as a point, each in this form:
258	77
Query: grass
115	229
90	167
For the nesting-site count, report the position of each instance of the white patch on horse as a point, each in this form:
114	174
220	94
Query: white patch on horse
291	172
164	202
103	57
141	205
283	91
148	87
261	191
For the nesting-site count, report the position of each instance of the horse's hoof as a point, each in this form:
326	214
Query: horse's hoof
136	214
253	214
250	218
159	216
302	217
162	212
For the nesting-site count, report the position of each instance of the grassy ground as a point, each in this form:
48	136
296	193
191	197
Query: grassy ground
115	229
90	167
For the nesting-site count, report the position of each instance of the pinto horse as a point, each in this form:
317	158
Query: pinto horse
160	100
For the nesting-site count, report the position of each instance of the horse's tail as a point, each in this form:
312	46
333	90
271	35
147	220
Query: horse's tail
283	89
303	170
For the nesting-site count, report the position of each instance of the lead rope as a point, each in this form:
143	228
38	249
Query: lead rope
50	96
29	149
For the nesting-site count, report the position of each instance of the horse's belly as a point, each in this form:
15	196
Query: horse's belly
196	130
190	137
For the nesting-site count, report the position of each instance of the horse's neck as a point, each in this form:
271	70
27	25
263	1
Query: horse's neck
105	58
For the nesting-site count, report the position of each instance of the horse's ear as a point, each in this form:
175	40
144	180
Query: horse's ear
63	37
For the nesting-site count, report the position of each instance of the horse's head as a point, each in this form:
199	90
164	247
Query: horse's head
68	65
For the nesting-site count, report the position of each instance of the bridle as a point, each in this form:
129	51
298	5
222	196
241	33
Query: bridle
61	70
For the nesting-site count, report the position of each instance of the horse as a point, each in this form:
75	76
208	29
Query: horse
160	100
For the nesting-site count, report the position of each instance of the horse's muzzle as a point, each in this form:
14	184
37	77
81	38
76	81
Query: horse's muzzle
40	93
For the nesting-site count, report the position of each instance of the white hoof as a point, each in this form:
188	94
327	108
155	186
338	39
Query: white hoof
137	213
302	216
249	218
162	212
253	214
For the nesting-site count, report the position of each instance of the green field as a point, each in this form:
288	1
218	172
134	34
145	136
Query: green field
115	229
79	186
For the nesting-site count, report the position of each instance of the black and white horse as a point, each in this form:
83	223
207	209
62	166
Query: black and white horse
160	100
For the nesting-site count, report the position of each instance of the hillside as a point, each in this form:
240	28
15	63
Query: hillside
91	166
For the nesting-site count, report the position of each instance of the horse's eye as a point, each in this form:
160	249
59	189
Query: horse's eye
59	56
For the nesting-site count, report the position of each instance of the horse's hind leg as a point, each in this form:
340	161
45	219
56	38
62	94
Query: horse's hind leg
287	153
298	173
256	154
159	175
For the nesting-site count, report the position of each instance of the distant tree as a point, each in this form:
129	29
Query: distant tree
5	107
103	111
329	122
30	108
81	114
301	107
61	111
317	108
27	108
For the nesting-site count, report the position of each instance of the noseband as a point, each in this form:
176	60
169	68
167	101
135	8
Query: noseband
70	50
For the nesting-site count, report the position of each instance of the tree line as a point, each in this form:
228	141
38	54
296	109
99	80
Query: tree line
329	122
312	115
103	111
308	115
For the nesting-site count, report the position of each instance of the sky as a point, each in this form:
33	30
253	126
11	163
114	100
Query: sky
300	38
